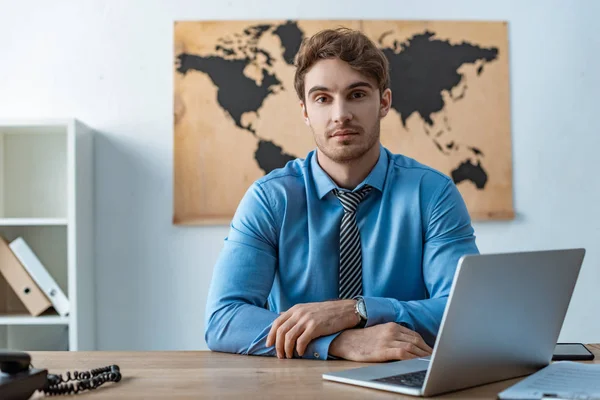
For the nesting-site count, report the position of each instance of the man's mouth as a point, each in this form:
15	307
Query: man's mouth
344	133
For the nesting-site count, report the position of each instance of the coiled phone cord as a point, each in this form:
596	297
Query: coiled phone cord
84	380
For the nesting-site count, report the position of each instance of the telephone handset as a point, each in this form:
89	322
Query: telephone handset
19	379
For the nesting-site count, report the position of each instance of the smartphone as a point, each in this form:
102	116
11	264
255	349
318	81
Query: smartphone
571	351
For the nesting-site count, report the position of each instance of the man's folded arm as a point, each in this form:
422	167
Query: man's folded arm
236	320
448	236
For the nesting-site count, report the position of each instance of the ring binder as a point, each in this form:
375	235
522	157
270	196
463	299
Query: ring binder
21	282
40	275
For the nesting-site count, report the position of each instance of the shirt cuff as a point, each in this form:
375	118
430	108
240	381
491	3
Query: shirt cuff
318	349
379	311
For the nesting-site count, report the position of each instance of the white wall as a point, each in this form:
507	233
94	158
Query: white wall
109	63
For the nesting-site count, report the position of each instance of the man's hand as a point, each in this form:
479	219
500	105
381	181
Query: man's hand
379	343
305	322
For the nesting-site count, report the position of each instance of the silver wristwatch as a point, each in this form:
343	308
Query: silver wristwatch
361	310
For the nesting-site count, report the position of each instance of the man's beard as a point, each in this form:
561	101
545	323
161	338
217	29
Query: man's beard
349	151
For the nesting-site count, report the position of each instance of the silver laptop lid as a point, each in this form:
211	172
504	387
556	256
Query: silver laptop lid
503	317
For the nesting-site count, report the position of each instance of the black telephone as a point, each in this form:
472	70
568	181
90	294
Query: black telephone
19	379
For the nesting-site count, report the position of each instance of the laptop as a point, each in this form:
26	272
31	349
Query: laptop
502	320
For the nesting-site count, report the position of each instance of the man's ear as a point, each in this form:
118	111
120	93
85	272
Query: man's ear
305	113
385	103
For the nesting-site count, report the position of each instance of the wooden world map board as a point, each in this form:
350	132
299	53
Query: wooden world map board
237	115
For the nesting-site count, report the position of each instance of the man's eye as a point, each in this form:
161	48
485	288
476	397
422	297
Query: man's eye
358	95
321	99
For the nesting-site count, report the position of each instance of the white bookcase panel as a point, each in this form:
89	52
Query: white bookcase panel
46	197
35	337
34	170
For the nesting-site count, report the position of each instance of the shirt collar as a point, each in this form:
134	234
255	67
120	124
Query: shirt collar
376	178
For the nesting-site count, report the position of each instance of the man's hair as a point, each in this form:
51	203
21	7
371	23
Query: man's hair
348	45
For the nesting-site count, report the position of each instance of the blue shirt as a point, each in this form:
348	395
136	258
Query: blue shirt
283	245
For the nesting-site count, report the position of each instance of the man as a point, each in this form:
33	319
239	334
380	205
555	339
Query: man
353	248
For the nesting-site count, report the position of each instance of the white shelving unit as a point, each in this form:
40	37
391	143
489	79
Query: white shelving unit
46	197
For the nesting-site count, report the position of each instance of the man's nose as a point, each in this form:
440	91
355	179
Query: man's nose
341	112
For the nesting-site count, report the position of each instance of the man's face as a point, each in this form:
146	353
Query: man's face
343	108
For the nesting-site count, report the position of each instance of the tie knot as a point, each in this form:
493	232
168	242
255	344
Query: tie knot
350	200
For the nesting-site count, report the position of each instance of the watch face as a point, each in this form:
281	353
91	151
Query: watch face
362	309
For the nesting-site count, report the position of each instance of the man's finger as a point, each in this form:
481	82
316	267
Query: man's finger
411	348
398	353
424	345
415	340
429	349
276	324
421	343
404	329
290	339
304	339
280	340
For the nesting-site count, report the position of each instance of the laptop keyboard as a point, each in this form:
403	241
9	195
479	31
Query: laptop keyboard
413	379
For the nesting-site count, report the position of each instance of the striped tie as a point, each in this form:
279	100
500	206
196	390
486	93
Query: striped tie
350	254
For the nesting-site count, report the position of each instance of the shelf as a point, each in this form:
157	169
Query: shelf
30	320
33	221
46	198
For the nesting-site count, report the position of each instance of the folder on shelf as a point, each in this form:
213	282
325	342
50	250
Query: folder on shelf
21	282
40	275
10	304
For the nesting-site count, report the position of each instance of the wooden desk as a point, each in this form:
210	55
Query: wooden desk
203	374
